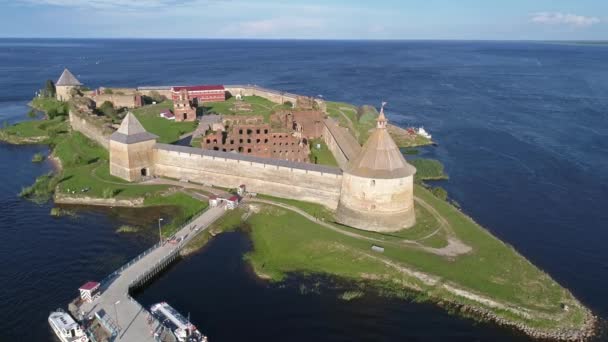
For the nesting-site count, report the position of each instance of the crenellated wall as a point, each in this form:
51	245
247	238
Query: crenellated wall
304	182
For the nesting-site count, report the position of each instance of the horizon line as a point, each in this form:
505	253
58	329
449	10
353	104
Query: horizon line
322	39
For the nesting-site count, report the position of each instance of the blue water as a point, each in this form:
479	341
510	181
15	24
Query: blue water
522	129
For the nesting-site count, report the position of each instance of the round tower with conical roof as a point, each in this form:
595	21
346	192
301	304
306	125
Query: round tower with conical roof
378	186
131	150
66	82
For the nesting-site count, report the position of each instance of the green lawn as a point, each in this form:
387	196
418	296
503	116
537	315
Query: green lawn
323	155
362	125
188	208
34	130
50	105
285	242
428	169
259	106
168	131
86	166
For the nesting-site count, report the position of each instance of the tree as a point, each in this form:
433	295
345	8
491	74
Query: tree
107	108
75	92
440	193
49	89
157	97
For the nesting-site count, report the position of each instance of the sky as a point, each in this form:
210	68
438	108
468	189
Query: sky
307	19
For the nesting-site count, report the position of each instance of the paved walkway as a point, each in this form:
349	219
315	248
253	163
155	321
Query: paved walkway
132	317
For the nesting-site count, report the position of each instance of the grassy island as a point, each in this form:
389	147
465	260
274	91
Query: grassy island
445	258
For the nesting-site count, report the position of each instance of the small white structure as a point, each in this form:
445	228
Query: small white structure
423	133
239	97
241	190
232	202
166	114
214	201
89	291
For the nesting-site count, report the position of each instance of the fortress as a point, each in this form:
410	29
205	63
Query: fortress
374	192
371	190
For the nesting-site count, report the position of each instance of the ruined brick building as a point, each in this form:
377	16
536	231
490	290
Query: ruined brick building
257	140
183	108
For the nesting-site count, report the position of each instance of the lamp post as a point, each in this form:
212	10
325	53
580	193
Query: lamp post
116	313
160	234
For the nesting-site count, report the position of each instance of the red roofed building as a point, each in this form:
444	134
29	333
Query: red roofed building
89	291
201	93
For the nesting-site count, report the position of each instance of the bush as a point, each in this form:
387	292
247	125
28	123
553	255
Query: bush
156	96
37	158
108	91
440	193
32	114
109	193
42	190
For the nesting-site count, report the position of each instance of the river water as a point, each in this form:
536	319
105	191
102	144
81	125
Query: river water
522	129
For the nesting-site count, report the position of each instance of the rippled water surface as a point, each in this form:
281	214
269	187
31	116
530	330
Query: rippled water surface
522	129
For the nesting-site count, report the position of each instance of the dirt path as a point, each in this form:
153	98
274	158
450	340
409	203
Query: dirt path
454	248
351	126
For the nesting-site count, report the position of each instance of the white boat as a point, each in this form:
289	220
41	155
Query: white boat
66	328
183	330
422	132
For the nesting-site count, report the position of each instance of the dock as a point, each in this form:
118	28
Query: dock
119	313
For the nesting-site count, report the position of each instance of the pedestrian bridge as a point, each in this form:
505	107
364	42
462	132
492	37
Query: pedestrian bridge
116	310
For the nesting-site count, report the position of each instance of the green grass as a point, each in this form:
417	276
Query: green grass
428	169
38	158
323	155
313	209
229	222
50	105
168	131
34	131
362	125
42	190
188	208
284	242
259	106
86	167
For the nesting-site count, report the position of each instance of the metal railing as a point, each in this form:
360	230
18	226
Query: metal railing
146	252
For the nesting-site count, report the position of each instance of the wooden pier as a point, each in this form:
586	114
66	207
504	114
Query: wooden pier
116	310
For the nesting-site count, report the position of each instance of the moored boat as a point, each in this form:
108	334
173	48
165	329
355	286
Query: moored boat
181	327
66	328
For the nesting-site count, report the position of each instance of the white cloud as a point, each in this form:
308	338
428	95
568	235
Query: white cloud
558	18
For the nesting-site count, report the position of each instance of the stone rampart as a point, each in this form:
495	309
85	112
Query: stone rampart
118	100
269	94
91	128
341	143
299	181
162	90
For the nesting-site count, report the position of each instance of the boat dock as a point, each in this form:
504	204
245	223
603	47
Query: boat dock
120	314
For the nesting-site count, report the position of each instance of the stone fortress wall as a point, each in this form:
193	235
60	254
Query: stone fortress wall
269	94
86	125
119	100
299	181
